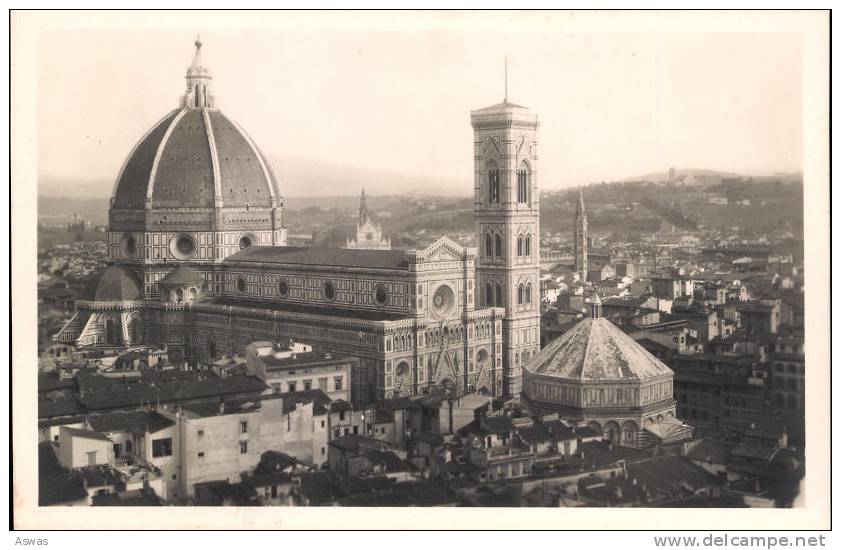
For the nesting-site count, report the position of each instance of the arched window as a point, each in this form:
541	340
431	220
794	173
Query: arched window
493	183
498	240
520	294
489	295
499	298
489	250
528	245
110	333
528	294
523	183
134	330
520	245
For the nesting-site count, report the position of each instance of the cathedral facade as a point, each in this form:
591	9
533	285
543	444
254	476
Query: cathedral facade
199	263
368	234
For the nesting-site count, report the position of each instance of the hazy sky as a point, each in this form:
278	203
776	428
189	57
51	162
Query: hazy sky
613	104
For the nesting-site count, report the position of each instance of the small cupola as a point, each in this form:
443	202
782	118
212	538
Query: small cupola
596	306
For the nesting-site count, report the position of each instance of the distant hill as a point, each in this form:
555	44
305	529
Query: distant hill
298	177
60	210
658	177
303	177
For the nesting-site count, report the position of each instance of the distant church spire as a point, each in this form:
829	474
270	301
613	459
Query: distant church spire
363	208
198	94
580	237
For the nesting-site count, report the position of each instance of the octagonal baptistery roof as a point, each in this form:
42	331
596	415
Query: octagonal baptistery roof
597	350
195	157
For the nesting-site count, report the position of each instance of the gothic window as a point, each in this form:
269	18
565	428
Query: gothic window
493	185
523	184
489	295
520	294
528	246
528	294
520	245
499	298
498	240
489	251
110	333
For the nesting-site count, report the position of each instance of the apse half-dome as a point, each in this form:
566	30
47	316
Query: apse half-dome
115	283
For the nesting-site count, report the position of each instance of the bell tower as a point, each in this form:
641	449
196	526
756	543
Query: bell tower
507	214
580	238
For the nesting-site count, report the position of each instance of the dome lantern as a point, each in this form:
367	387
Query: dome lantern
596	307
198	94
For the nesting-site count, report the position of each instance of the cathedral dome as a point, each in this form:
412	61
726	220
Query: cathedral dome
116	283
195	157
597	350
191	158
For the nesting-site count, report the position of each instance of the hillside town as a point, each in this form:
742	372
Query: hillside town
627	344
277	425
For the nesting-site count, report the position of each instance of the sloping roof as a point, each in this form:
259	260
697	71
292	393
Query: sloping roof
331	310
116	283
668	429
49	381
671	475
101	392
182	275
710	450
499	107
354	443
56	484
320	400
595	349
275	461
327	257
130	422
489	425
87	434
755	450
65	406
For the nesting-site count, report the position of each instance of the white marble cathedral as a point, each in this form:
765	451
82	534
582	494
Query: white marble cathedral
199	262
